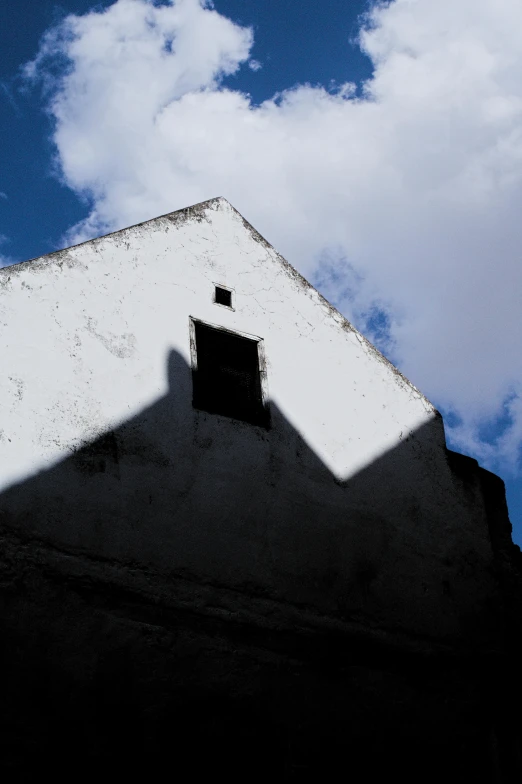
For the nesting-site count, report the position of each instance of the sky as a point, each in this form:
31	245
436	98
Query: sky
377	146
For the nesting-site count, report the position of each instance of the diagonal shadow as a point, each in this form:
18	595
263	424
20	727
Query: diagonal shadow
195	591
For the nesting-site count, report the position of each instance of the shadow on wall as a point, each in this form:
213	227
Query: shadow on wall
404	544
195	591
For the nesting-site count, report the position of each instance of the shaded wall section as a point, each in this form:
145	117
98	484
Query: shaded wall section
402	545
196	592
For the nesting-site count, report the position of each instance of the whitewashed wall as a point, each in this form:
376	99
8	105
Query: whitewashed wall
347	504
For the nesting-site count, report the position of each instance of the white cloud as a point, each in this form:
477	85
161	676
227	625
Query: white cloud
411	195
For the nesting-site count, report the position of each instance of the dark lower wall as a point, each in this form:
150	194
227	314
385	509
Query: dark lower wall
214	601
118	674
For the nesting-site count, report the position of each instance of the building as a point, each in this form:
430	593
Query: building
233	535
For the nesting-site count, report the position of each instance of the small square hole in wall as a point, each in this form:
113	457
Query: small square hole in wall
223	297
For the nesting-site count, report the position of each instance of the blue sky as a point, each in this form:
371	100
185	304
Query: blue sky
286	43
397	193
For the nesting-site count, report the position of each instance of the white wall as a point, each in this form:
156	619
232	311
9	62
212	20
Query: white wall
338	505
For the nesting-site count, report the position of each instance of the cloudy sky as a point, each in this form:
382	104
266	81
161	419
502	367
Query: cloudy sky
377	146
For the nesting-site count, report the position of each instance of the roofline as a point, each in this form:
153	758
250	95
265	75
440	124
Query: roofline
199	206
344	321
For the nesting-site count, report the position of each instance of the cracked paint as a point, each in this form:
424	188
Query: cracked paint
122	346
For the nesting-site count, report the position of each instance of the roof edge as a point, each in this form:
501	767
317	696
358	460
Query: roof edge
343	321
194	208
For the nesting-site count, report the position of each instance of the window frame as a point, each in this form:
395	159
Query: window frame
261	359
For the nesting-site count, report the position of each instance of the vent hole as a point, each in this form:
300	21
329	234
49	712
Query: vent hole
223	297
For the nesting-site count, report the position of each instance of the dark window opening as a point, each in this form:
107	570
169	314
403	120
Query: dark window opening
227	380
223	297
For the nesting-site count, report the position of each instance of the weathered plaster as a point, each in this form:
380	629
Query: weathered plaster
90	291
347	504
